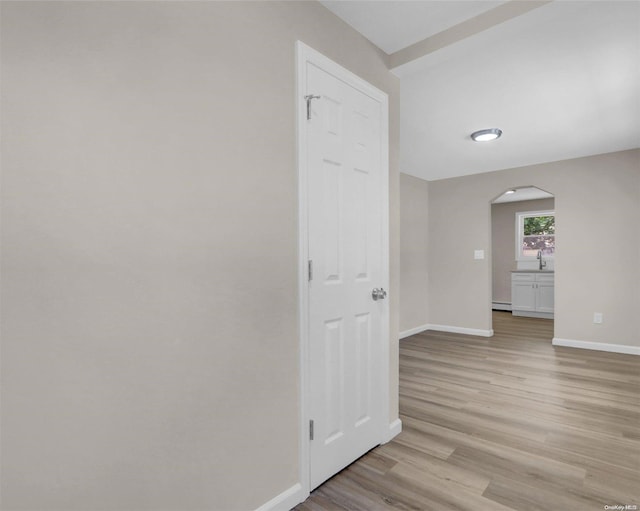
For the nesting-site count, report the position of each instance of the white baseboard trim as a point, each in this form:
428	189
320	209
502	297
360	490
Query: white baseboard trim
501	306
446	328
287	500
461	330
597	346
413	331
395	428
528	314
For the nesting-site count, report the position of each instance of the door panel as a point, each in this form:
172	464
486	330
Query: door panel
363	369
545	297
523	296
332	213
334	378
359	240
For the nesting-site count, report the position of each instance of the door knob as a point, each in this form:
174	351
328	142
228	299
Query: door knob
378	294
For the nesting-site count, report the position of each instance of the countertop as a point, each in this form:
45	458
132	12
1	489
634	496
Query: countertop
532	271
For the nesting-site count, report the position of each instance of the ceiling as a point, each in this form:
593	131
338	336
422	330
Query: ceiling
393	25
562	81
523	193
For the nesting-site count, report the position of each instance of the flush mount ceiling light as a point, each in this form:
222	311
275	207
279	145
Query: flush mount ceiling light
486	135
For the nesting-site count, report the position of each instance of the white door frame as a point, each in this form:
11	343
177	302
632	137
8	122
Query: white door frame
306	54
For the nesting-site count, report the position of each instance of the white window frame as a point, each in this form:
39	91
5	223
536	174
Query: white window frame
520	216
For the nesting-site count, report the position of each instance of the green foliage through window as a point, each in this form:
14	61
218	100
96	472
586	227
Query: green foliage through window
539	225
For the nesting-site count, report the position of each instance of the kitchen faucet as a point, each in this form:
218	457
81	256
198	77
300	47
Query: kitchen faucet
543	264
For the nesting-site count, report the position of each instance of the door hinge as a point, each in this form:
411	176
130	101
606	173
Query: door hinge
308	98
310	269
310	430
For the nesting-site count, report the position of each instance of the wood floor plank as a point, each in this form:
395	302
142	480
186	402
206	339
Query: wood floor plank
393	493
442	473
415	440
614	484
536	497
507	423
560	417
510	453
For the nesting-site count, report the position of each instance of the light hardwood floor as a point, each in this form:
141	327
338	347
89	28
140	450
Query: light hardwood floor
504	423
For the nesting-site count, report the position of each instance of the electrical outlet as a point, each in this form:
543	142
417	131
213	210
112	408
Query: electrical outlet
597	317
478	254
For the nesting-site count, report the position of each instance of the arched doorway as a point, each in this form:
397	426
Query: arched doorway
523	253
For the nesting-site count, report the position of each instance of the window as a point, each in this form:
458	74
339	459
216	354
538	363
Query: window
535	231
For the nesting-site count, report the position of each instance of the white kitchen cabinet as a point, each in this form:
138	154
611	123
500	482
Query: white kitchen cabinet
532	294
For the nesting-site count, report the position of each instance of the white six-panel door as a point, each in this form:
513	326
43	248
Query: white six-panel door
346	220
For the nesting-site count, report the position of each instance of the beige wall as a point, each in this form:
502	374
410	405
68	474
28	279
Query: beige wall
597	204
503	242
414	252
149	321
